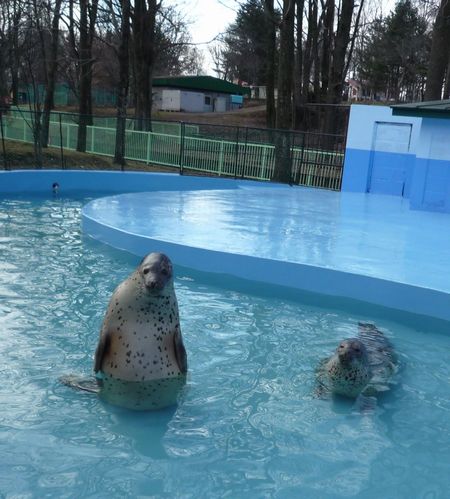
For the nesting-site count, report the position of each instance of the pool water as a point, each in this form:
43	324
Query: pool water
247	423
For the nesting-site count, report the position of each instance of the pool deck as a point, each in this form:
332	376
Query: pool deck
365	247
358	246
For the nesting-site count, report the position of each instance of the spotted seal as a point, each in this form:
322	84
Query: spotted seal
140	360
359	365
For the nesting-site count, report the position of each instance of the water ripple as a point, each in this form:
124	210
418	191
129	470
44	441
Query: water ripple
247	423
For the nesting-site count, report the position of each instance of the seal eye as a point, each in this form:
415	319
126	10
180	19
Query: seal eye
146	271
164	272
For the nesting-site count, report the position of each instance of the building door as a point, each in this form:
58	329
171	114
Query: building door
220	104
389	164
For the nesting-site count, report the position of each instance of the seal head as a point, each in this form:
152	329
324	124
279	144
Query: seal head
363	364
156	272
348	369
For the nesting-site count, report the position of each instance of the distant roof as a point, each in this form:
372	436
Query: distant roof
208	83
429	109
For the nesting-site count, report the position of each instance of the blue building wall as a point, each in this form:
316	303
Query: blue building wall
431	182
381	151
398	155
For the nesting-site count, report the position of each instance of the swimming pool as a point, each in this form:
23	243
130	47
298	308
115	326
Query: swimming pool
247	422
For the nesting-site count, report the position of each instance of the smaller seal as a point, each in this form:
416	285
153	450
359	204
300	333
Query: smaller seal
359	365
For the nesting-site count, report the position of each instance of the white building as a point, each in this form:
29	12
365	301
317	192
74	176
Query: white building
197	94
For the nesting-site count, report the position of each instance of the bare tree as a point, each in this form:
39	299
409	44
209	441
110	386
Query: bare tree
143	20
327	45
440	53
221	67
12	16
50	57
338	65
284	102
285	73
88	16
270	62
298	67
122	98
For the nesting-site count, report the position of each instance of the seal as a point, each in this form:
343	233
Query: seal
140	360
362	365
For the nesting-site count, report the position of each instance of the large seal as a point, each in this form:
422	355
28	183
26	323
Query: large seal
140	360
359	365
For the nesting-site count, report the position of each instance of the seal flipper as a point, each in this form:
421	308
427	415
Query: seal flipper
321	390
102	349
180	351
87	384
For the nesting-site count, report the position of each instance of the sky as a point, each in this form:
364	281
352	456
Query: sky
206	19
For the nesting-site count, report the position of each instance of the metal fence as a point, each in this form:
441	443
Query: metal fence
314	159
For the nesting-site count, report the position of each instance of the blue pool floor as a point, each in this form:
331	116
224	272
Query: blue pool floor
374	245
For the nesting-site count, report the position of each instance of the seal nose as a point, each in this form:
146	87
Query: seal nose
154	285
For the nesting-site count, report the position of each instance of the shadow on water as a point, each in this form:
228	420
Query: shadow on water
145	430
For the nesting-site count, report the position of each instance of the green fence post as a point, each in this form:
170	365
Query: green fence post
61	142
92	139
182	133
302	156
245	152
220	159
264	164
236	154
149	146
3	142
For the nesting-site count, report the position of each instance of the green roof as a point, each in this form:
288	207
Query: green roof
429	109
208	83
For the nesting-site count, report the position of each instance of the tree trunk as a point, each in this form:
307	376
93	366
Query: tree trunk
270	64
52	65
14	55
327	42
337	75
447	81
88	15
285	73
298	94
143	22
440	51
123	55
284	102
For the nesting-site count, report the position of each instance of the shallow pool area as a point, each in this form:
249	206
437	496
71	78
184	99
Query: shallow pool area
248	422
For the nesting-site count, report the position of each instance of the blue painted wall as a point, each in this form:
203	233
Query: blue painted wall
431	184
40	181
381	151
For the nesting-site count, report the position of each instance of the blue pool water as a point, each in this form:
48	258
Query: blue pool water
247	422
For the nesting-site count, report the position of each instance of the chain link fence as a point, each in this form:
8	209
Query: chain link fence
303	158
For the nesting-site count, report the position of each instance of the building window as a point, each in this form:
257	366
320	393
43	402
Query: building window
207	100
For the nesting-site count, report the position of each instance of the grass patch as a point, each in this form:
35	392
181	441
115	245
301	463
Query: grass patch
20	155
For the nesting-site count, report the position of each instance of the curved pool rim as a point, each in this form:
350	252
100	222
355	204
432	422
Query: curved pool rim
405	297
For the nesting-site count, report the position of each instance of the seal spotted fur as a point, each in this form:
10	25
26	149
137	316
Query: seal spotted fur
359	365
140	360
